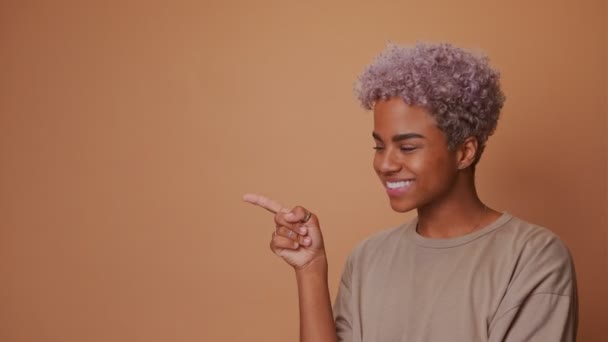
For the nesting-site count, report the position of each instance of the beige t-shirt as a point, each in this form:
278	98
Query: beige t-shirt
509	281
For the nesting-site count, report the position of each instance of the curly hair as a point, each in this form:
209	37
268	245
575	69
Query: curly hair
459	89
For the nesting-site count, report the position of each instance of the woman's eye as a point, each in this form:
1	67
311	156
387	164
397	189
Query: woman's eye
378	148
407	148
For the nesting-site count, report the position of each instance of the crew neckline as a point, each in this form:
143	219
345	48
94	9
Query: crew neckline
456	241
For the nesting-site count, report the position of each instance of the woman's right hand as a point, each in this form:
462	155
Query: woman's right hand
297	237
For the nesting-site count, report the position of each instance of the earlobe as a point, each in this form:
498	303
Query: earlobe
461	157
463	165
469	151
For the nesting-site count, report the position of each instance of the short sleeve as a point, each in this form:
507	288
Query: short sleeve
541	301
343	311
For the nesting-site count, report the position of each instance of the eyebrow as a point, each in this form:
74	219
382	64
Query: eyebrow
400	137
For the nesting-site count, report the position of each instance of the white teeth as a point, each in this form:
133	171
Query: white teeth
395	185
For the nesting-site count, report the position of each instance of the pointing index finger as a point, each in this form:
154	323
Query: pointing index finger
264	202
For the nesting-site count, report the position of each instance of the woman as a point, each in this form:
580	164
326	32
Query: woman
460	271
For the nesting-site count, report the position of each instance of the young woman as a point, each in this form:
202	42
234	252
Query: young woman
460	271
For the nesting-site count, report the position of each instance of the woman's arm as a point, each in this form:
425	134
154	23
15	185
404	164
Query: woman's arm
297	239
316	317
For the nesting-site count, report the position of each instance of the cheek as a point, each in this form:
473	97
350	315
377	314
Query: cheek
418	164
441	168
433	166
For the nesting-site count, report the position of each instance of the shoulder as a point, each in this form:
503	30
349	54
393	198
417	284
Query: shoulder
541	260
532	239
541	281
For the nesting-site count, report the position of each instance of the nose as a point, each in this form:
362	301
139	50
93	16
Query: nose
387	161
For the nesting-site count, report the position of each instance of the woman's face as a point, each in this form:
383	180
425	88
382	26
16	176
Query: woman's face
412	158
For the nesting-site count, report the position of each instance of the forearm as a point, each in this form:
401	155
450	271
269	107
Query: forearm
316	317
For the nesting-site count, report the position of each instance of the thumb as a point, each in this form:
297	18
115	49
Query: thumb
298	214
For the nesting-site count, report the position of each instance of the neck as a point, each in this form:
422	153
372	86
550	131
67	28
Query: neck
457	212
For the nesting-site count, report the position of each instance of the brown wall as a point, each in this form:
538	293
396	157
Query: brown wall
129	131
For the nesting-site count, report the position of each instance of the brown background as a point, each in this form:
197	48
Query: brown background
129	131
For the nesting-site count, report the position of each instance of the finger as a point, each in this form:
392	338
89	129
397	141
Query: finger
280	242
290	234
313	221
280	220
264	202
298	214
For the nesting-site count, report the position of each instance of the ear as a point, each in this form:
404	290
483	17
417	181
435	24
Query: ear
467	151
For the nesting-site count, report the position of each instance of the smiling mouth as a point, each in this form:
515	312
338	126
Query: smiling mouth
399	184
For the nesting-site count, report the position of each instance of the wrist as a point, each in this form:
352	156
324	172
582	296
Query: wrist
316	267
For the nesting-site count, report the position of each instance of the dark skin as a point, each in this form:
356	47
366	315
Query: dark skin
412	153
410	146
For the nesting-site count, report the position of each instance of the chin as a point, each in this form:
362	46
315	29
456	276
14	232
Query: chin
402	206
